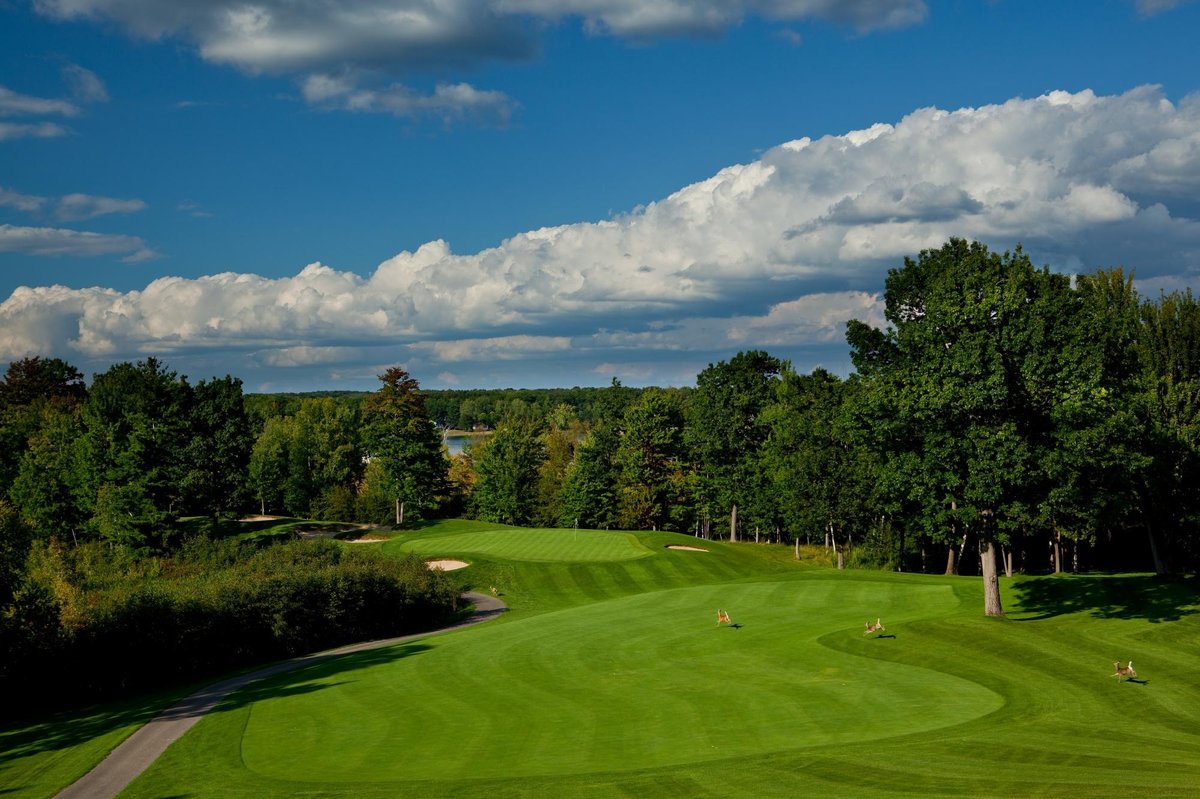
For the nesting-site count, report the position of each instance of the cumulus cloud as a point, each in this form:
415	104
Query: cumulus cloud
778	252
75	207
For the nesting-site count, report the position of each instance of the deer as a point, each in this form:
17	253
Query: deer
875	628
722	616
495	591
1123	672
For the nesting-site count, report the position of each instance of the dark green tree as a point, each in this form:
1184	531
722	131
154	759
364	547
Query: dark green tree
822	475
726	433
506	470
217	454
398	432
589	493
651	461
47	489
967	376
135	431
1170	404
15	539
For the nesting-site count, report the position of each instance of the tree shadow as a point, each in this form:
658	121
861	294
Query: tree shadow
311	674
1136	596
288	678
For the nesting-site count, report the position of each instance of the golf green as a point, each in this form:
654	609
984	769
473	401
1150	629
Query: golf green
536	545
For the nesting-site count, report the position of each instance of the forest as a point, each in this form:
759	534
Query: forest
1007	419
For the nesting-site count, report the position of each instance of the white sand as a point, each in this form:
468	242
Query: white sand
689	549
447	565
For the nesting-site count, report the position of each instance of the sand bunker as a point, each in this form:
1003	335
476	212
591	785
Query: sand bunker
379	539
447	565
689	549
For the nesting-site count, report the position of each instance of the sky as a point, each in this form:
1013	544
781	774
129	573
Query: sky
539	193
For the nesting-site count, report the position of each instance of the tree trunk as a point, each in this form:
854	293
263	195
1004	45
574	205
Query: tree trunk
733	523
399	513
1159	566
841	555
1057	546
1008	560
797	547
951	564
991	581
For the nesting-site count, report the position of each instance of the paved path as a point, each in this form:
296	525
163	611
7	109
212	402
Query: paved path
135	754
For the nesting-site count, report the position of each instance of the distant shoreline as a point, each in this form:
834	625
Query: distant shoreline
451	432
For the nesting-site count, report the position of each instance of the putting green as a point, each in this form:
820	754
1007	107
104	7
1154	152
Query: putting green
583	546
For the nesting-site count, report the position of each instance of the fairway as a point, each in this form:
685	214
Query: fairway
504	543
630	688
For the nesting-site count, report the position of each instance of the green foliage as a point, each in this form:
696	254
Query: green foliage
725	434
823	477
507	466
15	538
651	460
399	433
216	607
588	497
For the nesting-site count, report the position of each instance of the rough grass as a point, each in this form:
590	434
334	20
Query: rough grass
610	678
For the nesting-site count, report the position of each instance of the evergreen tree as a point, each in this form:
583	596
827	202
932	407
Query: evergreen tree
399	433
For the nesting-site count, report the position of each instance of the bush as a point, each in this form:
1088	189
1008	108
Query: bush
182	621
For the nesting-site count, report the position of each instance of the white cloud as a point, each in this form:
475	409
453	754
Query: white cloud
450	102
75	207
1148	8
86	86
47	241
502	348
374	39
22	202
777	252
310	356
14	104
35	130
284	36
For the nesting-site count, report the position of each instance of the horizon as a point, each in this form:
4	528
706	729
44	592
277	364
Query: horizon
551	194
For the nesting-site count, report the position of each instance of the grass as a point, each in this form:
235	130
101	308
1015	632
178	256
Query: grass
610	678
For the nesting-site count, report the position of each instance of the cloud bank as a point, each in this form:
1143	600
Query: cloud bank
776	253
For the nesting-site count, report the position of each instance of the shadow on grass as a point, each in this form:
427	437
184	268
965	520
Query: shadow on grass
288	678
311	675
73	728
1134	596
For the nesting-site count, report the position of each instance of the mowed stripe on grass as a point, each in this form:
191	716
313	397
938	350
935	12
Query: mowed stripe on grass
635	683
584	546
646	696
610	678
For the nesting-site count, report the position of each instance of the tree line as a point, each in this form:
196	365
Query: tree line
1007	418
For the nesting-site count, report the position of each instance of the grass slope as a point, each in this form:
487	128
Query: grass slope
610	678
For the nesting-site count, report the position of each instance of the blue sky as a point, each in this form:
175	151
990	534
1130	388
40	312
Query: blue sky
556	192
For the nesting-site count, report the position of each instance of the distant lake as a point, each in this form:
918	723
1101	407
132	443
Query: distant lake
456	442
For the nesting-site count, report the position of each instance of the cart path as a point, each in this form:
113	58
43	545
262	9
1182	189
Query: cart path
135	754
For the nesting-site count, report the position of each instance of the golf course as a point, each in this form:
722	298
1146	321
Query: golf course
609	676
